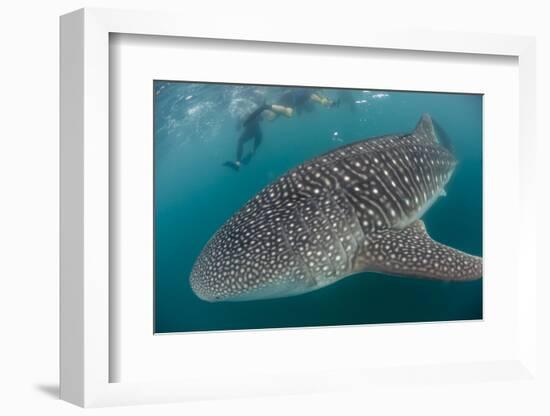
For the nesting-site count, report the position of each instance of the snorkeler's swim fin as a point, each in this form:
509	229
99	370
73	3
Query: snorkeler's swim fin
233	165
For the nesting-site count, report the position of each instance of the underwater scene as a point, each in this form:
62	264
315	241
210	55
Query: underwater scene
285	206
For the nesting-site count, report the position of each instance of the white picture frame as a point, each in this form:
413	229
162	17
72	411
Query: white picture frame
86	356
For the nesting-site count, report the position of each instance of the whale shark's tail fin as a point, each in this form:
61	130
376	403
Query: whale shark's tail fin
430	131
412	252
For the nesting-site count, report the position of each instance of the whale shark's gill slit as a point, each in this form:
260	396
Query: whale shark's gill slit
353	216
332	243
321	235
332	216
305	241
346	236
295	253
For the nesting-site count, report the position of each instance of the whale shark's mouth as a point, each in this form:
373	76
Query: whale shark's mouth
273	288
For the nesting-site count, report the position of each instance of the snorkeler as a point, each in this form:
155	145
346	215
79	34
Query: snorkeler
302	99
252	130
293	100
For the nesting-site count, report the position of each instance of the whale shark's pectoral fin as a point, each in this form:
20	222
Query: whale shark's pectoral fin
411	252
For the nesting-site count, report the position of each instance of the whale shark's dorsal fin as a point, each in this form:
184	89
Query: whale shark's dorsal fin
432	133
425	129
412	252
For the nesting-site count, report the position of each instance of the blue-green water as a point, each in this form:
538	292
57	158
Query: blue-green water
196	131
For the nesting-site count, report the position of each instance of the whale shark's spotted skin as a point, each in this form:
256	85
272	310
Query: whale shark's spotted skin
354	209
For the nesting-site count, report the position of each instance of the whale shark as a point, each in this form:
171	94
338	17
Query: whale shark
355	209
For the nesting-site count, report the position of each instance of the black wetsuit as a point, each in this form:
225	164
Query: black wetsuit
251	130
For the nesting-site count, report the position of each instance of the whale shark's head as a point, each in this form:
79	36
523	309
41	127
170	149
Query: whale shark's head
250	257
256	265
